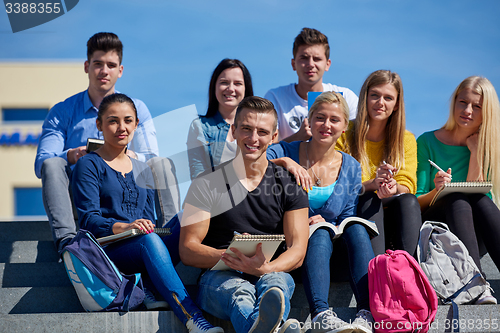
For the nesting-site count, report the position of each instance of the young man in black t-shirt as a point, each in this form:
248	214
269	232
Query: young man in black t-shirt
246	195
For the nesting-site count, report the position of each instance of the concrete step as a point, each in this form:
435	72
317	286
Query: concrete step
472	319
36	295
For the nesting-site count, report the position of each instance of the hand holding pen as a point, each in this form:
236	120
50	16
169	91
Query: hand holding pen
387	186
441	176
385	172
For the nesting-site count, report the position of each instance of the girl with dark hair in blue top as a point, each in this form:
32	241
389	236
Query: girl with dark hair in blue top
113	193
337	181
210	142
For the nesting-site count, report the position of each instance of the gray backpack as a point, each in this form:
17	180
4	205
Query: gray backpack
447	263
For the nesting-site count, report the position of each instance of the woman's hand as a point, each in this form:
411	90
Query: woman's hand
387	189
142	224
472	141
301	176
442	178
385	173
316	219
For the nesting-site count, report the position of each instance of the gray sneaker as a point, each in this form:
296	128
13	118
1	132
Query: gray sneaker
271	309
327	321
363	323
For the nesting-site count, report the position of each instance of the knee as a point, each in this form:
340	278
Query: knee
321	238
456	196
161	164
153	243
53	165
281	280
408	201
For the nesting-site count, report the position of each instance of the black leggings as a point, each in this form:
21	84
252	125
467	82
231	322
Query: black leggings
471	217
398	221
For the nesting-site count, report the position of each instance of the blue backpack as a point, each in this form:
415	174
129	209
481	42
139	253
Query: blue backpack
98	283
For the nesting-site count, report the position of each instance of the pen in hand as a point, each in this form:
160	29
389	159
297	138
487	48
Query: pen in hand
390	171
437	166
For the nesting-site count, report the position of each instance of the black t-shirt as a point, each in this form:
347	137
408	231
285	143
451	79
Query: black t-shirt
234	208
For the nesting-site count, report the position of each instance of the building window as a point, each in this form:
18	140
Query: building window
28	201
17	115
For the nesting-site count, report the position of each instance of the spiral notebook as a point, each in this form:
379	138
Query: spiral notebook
130	233
247	244
462	187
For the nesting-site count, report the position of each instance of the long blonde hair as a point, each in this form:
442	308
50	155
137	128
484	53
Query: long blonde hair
395	128
488	155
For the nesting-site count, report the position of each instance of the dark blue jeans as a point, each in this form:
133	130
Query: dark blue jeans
316	267
156	257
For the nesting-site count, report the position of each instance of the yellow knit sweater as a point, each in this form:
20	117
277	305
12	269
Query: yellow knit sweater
406	176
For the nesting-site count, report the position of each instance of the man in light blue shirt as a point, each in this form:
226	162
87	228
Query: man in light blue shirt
70	123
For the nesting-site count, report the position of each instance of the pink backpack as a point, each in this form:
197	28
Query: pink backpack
401	297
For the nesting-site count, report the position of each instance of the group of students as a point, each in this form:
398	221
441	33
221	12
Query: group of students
270	166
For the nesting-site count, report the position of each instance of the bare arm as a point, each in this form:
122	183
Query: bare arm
296	229
194	227
474	173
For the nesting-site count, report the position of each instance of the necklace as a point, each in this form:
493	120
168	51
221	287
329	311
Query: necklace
318	179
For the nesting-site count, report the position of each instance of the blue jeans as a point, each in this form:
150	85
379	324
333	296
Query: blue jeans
57	201
316	267
152	255
235	296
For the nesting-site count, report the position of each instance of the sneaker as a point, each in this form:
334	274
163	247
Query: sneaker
290	326
486	297
198	324
363	323
327	321
271	309
152	303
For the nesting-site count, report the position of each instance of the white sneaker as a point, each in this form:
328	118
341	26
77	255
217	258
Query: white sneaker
486	297
327	321
152	303
363	323
198	324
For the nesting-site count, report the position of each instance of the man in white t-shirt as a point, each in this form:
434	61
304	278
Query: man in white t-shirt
311	59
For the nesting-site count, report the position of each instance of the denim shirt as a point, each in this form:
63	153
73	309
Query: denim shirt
206	142
344	199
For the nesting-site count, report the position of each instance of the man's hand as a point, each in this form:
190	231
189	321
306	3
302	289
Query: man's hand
303	134
74	154
255	265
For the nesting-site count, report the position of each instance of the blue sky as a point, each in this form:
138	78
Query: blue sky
171	48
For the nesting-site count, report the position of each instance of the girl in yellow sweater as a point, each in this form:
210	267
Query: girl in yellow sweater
387	152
